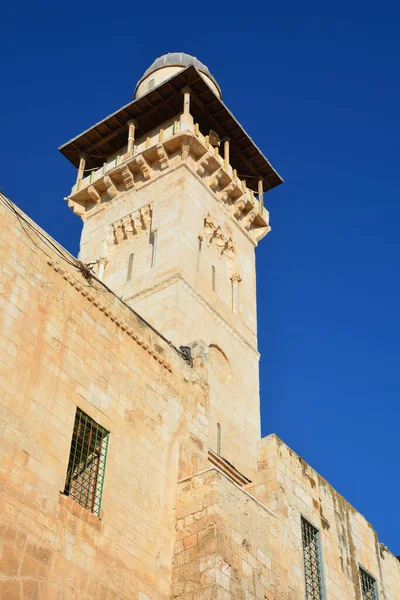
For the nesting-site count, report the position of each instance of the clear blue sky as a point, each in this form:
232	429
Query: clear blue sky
316	85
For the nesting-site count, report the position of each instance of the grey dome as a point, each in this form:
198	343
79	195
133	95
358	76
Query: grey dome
177	59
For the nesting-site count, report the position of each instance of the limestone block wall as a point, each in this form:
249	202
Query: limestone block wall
291	488
66	342
226	543
230	545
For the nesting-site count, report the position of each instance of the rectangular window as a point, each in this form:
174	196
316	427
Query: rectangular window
87	462
150	85
199	253
219	439
368	586
312	561
130	265
154	250
213	278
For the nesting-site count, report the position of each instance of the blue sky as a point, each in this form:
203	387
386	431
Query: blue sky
317	87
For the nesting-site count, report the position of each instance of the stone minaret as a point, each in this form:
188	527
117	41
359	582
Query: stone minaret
170	190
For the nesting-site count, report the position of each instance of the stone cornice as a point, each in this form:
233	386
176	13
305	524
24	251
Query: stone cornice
114	314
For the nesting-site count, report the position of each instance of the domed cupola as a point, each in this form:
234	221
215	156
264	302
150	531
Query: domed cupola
168	65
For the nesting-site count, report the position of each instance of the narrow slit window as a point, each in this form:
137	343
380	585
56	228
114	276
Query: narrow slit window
213	278
154	250
130	267
87	462
199	253
219	439
150	85
312	561
368	586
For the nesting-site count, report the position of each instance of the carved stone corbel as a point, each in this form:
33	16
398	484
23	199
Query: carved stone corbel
94	194
186	140
214	179
111	189
238	206
162	157
203	164
127	178
144	167
226	192
249	218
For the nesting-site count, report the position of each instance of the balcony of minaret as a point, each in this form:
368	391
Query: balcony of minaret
161	150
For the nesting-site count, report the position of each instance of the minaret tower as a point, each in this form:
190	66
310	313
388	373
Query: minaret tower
170	189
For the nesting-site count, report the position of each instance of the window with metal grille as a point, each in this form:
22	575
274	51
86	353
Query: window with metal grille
312	561
87	461
368	586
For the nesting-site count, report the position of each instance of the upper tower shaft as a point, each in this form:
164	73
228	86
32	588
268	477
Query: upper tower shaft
172	225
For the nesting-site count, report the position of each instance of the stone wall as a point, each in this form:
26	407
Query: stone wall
66	342
225	546
231	545
291	488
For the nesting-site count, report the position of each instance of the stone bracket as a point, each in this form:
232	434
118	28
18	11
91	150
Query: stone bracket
127	178
186	140
215	179
162	157
111	189
94	194
144	167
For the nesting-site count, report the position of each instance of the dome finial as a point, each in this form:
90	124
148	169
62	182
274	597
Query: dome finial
168	65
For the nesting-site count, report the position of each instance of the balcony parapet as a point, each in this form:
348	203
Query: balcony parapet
164	150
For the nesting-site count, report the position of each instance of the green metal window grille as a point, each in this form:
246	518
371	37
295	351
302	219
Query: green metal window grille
87	462
368	586
312	562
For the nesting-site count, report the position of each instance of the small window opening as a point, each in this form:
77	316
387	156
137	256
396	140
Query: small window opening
130	267
199	253
213	278
368	586
87	462
312	561
150	85
154	250
219	439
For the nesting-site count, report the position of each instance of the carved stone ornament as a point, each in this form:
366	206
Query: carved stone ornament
223	241
131	225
